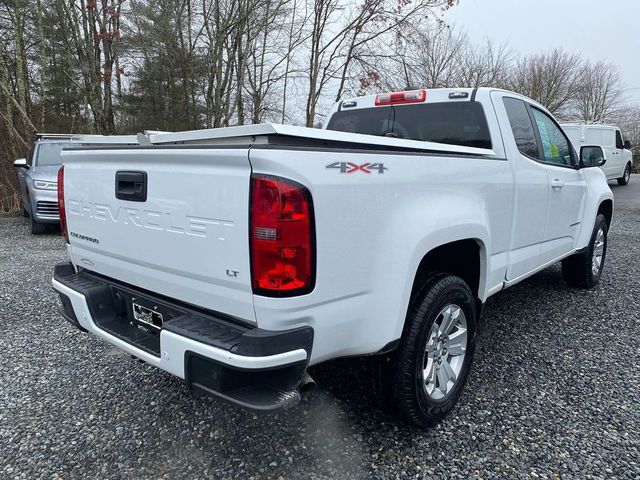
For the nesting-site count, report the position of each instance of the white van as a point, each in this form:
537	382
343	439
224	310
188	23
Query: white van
619	159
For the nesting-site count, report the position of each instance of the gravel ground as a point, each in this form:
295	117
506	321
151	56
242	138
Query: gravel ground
554	393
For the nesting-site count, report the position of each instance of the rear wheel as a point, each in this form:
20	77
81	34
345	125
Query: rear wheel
37	228
626	176
584	269
425	375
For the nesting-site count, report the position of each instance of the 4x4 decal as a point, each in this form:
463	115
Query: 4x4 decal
348	167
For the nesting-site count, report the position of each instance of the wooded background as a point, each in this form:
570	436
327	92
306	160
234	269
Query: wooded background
123	66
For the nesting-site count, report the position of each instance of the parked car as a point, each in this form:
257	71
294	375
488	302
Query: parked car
235	258
617	151
37	174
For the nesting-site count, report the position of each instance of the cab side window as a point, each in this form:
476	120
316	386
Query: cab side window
521	127
555	146
619	142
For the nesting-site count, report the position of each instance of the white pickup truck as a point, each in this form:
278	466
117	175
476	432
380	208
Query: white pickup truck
235	258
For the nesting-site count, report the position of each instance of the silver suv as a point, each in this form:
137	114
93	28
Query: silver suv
38	177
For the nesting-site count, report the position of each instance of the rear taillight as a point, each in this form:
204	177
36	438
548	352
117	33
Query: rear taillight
61	209
281	237
410	96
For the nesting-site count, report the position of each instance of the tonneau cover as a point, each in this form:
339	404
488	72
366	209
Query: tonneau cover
251	133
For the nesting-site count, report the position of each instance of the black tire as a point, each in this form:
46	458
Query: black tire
577	270
26	209
37	228
403	388
626	176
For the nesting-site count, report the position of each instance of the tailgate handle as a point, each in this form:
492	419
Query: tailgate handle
131	186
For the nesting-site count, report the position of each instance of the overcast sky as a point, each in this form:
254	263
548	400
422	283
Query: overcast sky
597	29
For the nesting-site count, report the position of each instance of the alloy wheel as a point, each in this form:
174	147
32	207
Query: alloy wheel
598	252
445	352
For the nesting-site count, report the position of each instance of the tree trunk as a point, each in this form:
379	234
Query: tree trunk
43	67
21	58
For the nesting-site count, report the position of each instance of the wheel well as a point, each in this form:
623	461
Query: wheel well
606	209
460	258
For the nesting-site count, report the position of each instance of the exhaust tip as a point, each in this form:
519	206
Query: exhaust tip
307	383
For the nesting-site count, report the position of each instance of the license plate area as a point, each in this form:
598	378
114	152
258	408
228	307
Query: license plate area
146	314
134	318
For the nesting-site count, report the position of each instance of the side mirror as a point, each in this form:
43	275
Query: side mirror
591	156
21	163
627	145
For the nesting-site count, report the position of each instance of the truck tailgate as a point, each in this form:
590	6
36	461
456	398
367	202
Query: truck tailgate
187	240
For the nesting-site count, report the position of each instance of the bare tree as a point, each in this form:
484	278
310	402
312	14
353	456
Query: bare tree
269	47
599	91
334	49
92	32
374	20
17	15
548	78
436	54
16	132
186	62
220	19
322	52
295	37
484	65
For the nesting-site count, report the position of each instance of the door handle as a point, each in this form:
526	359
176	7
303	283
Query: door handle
557	184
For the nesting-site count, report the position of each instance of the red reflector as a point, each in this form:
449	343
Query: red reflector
61	210
410	96
281	237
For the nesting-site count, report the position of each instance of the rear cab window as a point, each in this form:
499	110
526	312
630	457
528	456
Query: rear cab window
452	123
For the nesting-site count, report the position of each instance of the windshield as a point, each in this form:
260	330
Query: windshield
49	154
454	123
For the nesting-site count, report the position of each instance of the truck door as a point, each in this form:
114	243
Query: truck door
531	193
567	188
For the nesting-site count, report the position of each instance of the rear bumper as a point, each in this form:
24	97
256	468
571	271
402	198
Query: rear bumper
245	365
